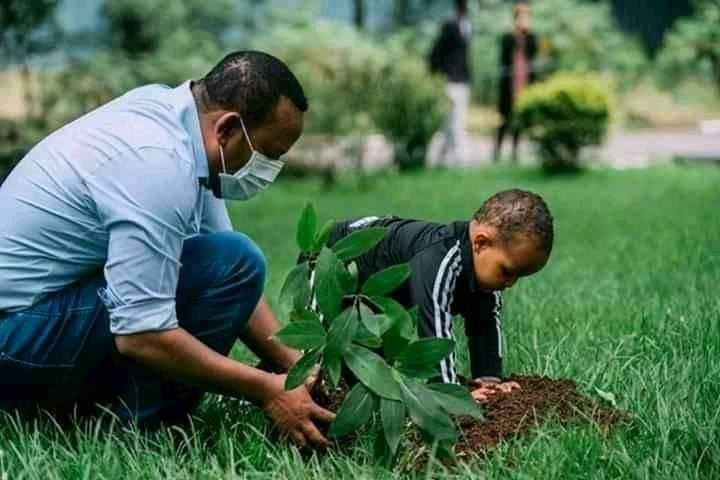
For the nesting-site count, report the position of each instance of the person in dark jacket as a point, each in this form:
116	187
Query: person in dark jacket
518	50
462	268
449	56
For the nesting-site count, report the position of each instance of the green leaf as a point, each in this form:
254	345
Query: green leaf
301	370
346	279
295	292
420	359
358	242
304	316
392	414
322	237
455	399
372	370
386	281
364	337
341	334
402	330
342	331
380	323
354	412
329	290
400	318
333	368
425	412
377	324
381	450
306	228
303	334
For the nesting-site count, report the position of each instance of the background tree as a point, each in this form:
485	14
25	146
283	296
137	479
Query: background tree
693	46
27	28
359	12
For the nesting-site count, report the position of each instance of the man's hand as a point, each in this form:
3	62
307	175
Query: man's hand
482	389
295	413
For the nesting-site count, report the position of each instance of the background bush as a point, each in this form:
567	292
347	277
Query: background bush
357	85
564	114
692	48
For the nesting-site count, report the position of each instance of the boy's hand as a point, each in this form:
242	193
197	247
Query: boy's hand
483	388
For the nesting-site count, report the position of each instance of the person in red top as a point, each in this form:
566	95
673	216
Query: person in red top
518	51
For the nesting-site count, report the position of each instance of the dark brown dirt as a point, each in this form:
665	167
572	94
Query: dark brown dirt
509	415
329	397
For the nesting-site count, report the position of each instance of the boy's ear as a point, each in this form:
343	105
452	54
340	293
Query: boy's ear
480	240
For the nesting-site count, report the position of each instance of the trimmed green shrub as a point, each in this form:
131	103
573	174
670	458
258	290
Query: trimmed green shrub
564	114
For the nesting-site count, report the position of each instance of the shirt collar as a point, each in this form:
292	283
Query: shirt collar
186	108
468	268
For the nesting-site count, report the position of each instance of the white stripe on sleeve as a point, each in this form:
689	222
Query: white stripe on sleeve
497	314
439	314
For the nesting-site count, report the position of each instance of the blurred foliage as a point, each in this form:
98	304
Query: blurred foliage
692	48
27	28
574	35
141	44
562	115
357	85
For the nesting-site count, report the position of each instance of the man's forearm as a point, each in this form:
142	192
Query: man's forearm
259	337
181	357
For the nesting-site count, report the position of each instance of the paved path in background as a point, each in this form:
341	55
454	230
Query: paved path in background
622	149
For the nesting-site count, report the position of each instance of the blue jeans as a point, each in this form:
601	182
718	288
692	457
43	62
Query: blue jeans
60	352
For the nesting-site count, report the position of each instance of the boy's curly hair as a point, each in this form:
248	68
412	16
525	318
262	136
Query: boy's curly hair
518	211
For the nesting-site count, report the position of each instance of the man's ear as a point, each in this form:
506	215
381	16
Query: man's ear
225	126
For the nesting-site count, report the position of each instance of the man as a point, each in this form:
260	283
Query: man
518	50
461	268
449	56
119	271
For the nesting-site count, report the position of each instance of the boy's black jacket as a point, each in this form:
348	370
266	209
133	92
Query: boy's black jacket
442	284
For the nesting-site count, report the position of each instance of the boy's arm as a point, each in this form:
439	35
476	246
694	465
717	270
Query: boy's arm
433	275
483	328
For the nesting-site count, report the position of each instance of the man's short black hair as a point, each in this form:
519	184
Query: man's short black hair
251	83
518	211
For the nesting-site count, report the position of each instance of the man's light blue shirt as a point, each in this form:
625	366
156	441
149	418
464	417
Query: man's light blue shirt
118	189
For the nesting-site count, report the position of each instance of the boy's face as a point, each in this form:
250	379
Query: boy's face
499	264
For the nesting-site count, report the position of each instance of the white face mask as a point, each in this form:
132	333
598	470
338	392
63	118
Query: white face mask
257	175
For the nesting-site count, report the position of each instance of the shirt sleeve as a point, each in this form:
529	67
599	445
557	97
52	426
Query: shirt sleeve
215	216
483	328
145	200
434	272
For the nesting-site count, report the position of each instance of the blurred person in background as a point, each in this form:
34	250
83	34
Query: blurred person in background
518	50
449	56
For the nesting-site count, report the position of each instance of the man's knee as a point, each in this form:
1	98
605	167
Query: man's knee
242	260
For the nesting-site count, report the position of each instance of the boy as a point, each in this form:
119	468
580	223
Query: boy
462	268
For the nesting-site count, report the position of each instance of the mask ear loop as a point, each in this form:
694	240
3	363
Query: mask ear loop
247	137
222	158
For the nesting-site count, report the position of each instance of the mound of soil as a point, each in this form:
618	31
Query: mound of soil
508	415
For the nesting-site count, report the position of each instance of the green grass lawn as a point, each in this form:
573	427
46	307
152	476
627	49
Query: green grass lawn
628	304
